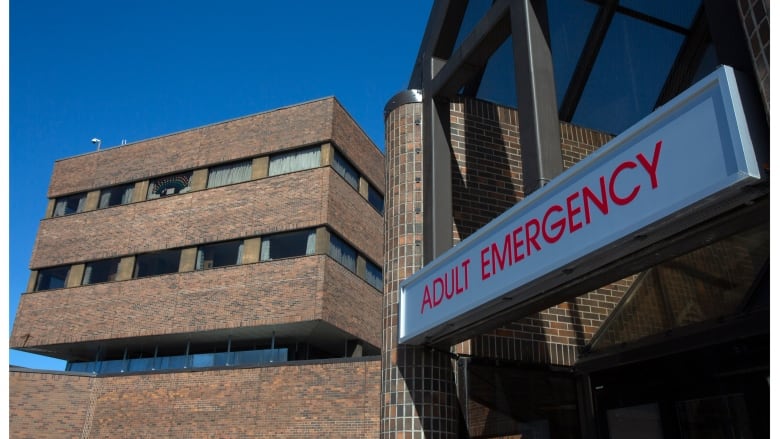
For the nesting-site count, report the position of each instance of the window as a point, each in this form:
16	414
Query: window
169	185
376	200
100	271
230	173
69	205
374	275
116	195
344	169
287	245
152	264
342	252
292	161
51	278
219	255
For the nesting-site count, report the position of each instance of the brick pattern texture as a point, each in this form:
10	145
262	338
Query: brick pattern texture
418	394
327	400
254	135
487	180
755	20
243	296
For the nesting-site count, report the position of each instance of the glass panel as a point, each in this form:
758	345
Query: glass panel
100	271
175	362
151	264
570	23
342	252
229	174
247	357
69	205
475	10
116	195
112	366
344	169
140	364
641	421
169	185
219	255
287	245
676	12
706	284
376	200
51	278
498	81
374	275
715	417
628	75
292	161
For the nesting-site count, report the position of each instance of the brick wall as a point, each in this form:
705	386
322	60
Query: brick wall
266	293
330	399
487	180
353	141
47	405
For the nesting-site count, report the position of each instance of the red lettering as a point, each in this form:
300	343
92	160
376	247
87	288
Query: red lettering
518	254
485	262
437	300
530	238
502	258
651	168
602	204
573	227
426	299
559	225
449	288
619	200
465	265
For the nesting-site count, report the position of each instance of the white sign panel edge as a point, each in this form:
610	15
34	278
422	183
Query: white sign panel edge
738	155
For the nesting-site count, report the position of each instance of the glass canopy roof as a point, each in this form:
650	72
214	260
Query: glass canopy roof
635	45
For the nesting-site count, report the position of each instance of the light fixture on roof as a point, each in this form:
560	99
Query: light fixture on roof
97	141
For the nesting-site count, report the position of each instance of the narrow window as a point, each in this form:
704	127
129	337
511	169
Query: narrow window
374	275
342	252
169	185
219	255
287	245
116	195
346	170
376	200
292	161
69	205
151	264
230	173
100	271
51	278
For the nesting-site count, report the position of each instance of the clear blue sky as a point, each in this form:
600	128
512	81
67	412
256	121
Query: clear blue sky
134	69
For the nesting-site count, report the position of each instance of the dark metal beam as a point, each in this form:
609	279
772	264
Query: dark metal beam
587	59
469	59
437	170
439	37
540	134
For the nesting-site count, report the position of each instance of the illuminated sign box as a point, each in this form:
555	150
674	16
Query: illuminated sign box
684	163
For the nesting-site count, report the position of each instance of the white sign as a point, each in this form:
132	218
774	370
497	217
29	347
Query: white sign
682	158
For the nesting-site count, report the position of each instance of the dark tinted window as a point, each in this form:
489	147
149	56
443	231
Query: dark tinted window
50	278
151	264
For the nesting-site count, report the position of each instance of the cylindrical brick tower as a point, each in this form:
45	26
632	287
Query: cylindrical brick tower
418	386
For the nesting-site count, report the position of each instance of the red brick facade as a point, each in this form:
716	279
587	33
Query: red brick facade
334	400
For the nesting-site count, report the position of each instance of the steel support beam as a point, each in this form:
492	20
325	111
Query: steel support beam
437	170
540	133
439	37
469	59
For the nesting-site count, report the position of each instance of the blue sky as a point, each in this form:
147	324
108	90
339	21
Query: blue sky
131	70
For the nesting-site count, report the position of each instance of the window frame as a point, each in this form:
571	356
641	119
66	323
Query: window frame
266	246
200	257
79	198
153	182
48	272
122	187
139	260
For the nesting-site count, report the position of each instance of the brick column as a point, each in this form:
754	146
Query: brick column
418	387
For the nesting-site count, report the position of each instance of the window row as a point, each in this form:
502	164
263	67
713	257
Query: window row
221	175
208	256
